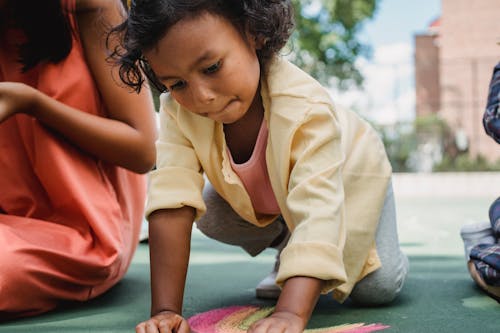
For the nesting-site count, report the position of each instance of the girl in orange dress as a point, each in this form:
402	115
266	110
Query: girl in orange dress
74	146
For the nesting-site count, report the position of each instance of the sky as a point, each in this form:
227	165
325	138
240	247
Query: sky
388	94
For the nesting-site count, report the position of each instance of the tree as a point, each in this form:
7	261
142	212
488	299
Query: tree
325	39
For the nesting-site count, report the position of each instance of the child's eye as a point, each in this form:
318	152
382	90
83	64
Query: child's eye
213	68
177	85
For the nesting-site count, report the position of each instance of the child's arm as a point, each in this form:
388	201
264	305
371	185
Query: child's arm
115	141
132	133
295	306
127	137
169	248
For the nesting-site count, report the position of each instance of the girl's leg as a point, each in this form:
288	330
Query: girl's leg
383	285
223	224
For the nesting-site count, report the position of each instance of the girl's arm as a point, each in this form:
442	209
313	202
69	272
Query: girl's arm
126	138
169	248
295	306
117	142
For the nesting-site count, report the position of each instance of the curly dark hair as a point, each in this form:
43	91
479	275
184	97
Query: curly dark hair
270	21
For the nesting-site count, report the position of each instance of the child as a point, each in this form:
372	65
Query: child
273	147
70	211
482	240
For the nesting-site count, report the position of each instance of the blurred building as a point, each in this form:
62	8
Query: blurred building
454	60
427	87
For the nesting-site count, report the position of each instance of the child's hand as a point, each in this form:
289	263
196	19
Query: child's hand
279	322
164	322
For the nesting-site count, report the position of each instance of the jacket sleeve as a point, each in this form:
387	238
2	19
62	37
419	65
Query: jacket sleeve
315	201
177	180
491	117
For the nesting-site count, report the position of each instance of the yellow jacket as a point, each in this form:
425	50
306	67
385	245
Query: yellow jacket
328	169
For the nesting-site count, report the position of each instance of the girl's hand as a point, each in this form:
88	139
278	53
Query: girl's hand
15	98
164	322
279	322
295	305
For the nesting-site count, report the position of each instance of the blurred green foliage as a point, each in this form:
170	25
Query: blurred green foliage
325	42
402	141
465	163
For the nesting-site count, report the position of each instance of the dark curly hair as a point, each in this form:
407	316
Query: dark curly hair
270	21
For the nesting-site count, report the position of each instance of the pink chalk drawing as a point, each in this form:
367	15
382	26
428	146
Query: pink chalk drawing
237	319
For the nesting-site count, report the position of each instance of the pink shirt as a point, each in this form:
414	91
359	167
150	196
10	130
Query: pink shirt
254	176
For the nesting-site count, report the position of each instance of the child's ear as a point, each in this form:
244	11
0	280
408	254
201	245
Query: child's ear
260	42
256	42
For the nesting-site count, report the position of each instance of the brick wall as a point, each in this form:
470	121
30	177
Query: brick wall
470	30
468	49
427	76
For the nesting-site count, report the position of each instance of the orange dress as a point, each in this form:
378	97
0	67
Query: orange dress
69	223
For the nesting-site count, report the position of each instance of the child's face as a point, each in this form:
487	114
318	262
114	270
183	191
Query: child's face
208	67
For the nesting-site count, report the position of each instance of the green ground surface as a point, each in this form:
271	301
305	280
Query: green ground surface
438	296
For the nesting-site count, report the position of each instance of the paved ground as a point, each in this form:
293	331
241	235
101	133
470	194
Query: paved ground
439	296
431	226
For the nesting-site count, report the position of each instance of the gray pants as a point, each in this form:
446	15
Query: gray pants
379	287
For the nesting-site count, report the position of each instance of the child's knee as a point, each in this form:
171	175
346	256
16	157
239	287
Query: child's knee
378	295
380	287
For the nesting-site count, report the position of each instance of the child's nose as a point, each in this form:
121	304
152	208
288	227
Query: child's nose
204	94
